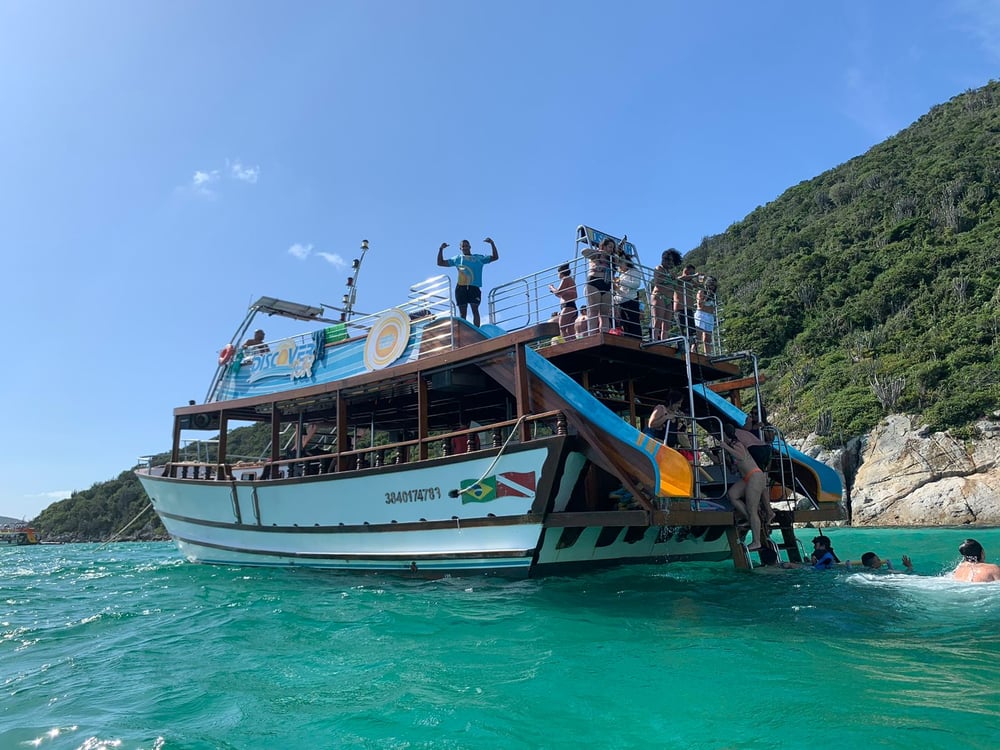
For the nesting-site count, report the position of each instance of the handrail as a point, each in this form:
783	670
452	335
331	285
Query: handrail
527	300
224	471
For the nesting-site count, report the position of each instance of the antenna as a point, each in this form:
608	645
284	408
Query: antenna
352	285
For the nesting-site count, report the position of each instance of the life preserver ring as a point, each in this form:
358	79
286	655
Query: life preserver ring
227	354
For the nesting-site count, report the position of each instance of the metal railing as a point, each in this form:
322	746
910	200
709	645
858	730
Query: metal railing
528	300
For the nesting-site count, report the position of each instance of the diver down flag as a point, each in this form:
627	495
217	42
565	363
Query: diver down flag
516	484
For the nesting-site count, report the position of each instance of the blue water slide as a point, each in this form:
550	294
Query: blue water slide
628	450
828	485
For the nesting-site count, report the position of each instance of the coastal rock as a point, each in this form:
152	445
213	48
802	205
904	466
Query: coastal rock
911	476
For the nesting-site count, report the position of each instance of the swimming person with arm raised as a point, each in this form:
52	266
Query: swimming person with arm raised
871	561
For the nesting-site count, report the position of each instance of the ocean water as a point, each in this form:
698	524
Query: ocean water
126	646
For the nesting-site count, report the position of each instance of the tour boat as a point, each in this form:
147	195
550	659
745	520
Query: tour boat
17	533
411	441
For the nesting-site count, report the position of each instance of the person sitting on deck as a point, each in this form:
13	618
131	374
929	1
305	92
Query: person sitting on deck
255	345
873	562
974	568
580	327
666	424
823	556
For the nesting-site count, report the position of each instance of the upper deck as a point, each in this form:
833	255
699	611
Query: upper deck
340	346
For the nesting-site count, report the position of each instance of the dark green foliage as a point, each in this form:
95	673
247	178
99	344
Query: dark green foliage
100	512
879	276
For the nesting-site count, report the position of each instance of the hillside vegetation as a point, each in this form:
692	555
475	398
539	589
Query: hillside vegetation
874	287
868	290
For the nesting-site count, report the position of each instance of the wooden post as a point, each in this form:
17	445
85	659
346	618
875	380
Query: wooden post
740	557
220	459
522	393
421	417
341	429
275	433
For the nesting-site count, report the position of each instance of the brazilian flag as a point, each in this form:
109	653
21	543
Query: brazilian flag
479	492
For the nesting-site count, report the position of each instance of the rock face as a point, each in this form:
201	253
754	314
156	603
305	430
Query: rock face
910	476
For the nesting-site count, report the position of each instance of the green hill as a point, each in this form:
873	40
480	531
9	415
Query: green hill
874	287
102	511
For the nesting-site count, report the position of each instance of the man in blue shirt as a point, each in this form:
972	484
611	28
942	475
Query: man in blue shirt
468	292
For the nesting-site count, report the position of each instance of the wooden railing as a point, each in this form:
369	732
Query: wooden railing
370	457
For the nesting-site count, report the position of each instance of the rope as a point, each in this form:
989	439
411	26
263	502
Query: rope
513	431
123	529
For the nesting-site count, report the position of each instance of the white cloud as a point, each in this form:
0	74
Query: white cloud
54	495
245	174
333	259
300	251
201	181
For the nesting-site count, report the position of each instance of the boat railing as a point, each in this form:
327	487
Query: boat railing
793	488
528	300
438	445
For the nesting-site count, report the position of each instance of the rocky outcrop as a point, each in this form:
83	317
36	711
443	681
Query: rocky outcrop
910	476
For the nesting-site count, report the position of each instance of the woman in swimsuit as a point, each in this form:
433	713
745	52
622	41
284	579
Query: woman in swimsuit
599	284
661	298
751	487
704	315
566	292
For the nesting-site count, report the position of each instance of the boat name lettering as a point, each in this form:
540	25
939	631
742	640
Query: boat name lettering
287	358
419	495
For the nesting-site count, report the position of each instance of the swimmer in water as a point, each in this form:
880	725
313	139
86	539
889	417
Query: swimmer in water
974	568
873	562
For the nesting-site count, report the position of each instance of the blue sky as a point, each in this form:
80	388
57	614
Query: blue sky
163	164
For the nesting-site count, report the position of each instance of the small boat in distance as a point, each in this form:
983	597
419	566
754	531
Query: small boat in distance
17	533
410	441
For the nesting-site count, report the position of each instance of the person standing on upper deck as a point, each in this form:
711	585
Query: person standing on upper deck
704	314
684	301
661	299
468	291
599	284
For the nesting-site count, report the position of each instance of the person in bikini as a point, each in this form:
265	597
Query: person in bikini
599	284
747	494
974	568
661	297
580	327
704	314
566	292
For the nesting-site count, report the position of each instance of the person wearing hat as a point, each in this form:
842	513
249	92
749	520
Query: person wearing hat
974	568
823	556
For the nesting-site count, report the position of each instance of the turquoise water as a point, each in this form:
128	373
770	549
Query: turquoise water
128	647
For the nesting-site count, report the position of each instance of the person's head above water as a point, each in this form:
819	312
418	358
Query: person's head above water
871	560
972	551
823	541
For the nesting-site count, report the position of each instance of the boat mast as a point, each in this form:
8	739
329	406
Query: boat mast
352	284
